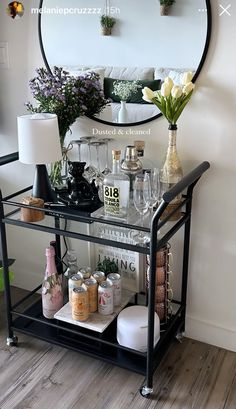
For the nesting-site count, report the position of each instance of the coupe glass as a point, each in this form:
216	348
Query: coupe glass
141	203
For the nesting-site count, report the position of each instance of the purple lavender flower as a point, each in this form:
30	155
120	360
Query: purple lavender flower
67	96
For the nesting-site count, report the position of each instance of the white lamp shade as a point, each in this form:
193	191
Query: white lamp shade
38	139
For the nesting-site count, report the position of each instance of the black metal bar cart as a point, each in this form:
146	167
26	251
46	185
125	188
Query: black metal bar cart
29	320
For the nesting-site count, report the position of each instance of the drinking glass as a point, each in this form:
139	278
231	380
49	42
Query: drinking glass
99	176
78	142
153	192
141	203
90	171
106	170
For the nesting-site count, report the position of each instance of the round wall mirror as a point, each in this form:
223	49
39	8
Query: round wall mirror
143	46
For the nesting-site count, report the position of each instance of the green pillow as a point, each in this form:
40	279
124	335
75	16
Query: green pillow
136	98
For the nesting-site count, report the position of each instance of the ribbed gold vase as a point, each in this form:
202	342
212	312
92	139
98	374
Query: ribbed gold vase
171	172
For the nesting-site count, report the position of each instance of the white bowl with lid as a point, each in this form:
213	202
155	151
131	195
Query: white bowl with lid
132	328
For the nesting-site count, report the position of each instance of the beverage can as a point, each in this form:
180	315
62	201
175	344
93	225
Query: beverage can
105	298
80	303
92	287
99	276
74	281
115	279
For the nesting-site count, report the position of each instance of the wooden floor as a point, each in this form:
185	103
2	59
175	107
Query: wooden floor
36	375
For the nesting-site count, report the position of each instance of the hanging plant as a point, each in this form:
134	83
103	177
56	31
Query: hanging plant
107	22
165	6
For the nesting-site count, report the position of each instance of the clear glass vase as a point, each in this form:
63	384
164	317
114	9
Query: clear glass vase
59	169
171	172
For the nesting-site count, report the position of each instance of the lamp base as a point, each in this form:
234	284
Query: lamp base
42	187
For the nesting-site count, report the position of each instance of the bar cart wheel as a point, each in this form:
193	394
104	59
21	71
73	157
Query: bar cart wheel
145	391
13	341
180	336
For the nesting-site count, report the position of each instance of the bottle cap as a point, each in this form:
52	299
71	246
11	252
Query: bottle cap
139	144
116	153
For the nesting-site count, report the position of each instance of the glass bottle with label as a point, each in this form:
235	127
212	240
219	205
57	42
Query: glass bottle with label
52	295
171	172
147	164
116	188
71	270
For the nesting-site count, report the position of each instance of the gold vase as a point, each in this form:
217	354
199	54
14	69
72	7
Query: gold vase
171	173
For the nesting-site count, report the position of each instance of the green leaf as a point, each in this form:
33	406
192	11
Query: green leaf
181	108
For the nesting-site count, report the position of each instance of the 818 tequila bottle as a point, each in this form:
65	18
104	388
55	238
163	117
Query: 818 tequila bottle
116	187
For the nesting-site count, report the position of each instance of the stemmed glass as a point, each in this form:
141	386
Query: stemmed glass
90	171
141	203
106	170
99	177
78	142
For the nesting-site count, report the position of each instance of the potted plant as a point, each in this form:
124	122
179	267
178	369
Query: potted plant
107	266
165	6
107	23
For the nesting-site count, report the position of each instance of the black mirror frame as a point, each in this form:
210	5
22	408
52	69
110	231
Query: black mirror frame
203	58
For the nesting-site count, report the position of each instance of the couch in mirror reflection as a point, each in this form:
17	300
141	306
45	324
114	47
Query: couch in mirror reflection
137	109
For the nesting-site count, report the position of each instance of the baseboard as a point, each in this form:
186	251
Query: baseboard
211	333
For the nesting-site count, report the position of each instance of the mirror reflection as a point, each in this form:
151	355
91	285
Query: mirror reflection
143	48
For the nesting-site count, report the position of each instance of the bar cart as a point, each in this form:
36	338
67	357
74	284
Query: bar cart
104	345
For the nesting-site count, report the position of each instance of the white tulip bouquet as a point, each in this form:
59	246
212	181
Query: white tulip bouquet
171	99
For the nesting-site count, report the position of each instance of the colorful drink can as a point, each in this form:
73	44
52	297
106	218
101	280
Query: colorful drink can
92	287
105	298
99	276
115	279
80	303
75	281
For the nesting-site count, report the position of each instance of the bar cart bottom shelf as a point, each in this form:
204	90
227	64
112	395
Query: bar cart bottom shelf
102	346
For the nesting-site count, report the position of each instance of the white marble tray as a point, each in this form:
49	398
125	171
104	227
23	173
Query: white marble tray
95	322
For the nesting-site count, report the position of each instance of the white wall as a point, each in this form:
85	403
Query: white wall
206	132
140	36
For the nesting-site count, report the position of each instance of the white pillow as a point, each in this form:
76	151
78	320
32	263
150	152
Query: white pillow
130	73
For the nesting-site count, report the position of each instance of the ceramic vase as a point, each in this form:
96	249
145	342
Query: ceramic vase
123	113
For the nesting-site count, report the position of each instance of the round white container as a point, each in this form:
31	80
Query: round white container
132	328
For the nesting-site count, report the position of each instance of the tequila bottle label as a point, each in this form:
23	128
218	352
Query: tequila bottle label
112	200
116	190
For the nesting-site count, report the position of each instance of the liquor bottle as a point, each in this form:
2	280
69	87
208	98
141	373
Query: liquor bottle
116	188
147	164
52	295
